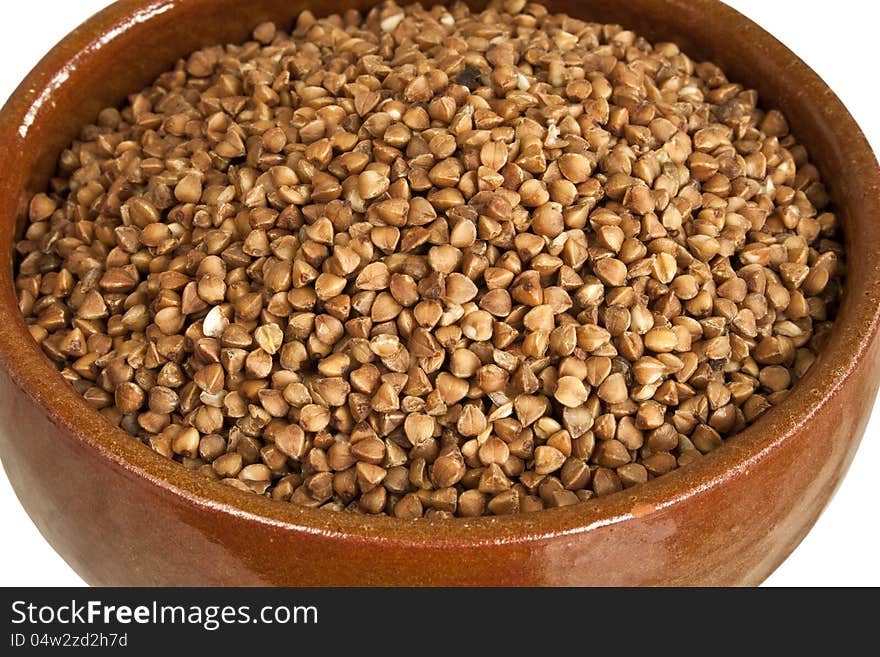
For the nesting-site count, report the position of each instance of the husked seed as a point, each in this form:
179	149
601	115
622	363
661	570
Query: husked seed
563	498
570	391
292	441
612	454
632	474
459	289
659	463
256	477
493	480
661	340
575	474
189	189
369	476
269	337
418	428
494	450
371	450
705	438
448	469
471	503
492	155
539	318
472	421
340	456
373	500
186	442
575	167
533	193
477	326
228	465
372	184
314	417
775	378
385	346
613	389
605	482
129	397
375	276
451	389
409	506
41	207
463	363
434	262
548	459
504	503
611	272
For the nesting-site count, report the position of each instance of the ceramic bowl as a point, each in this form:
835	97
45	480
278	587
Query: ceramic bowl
122	515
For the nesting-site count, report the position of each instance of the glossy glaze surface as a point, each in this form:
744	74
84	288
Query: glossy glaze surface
121	514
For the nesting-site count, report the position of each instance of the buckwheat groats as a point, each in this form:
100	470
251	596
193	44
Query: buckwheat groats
432	262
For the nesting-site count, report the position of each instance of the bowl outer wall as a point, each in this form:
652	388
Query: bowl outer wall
121	515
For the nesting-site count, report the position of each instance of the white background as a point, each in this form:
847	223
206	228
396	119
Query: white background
842	548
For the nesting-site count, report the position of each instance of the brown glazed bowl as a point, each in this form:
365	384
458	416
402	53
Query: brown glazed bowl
122	515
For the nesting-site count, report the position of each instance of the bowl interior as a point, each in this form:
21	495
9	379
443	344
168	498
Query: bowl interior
128	45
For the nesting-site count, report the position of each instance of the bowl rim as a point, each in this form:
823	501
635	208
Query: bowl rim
28	368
